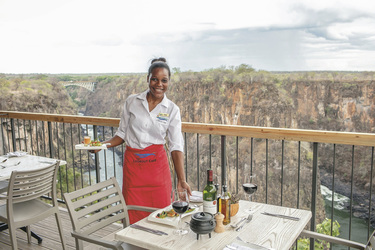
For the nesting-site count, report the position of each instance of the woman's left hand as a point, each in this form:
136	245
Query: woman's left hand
184	185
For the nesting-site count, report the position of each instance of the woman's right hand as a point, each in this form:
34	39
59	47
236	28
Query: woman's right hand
94	151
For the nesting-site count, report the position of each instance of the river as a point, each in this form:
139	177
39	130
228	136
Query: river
342	215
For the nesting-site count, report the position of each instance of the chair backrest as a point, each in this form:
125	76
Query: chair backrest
32	184
96	206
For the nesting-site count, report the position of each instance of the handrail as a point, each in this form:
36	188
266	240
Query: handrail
334	137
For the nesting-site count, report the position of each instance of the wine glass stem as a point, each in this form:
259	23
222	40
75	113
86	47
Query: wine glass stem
179	222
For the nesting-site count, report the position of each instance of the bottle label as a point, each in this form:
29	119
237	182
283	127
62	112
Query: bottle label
209	206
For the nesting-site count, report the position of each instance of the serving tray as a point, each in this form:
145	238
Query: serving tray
83	147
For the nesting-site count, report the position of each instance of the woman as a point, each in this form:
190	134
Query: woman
146	120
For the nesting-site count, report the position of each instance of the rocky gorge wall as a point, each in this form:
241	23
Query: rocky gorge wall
343	102
324	101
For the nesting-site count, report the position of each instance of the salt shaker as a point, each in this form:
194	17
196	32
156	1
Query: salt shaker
219	217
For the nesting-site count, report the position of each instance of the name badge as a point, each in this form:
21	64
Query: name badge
162	117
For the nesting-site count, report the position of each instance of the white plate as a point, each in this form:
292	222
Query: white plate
82	146
172	221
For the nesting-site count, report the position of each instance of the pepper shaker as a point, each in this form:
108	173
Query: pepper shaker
219	217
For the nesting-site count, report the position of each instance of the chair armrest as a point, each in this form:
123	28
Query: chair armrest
141	208
98	241
332	239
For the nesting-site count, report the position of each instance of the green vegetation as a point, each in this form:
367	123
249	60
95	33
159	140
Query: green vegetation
323	228
67	178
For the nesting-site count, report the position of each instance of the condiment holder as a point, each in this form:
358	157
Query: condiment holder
219	217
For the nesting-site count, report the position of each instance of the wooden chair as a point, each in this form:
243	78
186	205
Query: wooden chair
369	246
95	207
23	204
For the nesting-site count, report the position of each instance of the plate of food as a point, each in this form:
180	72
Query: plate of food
168	216
93	145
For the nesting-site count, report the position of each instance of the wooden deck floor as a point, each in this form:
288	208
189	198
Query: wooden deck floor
47	229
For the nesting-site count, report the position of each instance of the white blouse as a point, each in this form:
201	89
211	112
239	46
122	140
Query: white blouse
140	128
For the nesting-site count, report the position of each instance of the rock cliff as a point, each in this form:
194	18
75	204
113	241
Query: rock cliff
333	101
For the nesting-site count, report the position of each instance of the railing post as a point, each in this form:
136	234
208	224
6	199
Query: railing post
50	140
97	164
314	191
198	170
223	161
13	131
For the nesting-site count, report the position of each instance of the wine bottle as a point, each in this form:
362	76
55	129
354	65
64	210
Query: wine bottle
209	195
224	205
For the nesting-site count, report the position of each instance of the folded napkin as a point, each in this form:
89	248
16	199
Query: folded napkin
16	154
237	247
196	196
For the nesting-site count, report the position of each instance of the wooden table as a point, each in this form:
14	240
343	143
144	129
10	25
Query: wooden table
26	162
268	231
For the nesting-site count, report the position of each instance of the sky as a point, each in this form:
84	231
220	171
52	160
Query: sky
119	36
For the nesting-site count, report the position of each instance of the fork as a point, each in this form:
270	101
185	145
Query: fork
238	223
249	218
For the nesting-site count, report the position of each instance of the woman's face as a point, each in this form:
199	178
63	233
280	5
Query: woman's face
158	82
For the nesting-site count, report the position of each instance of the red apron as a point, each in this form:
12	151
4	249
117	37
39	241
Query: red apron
146	180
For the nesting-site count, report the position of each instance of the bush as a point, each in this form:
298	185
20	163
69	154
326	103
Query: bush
323	228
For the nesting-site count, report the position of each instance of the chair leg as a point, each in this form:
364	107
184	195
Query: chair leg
79	244
28	232
13	238
34	235
60	227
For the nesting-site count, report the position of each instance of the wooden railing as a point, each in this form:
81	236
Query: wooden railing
56	126
334	137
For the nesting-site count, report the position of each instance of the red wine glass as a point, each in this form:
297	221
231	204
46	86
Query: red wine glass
249	186
180	205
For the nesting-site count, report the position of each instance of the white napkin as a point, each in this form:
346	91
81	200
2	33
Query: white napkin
196	196
237	247
16	154
245	246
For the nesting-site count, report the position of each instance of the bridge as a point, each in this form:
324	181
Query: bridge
87	85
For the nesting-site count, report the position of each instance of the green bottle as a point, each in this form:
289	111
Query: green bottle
209	195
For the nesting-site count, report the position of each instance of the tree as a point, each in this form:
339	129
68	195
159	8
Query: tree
244	68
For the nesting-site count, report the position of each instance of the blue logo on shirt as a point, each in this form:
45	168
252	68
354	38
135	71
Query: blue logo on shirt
145	155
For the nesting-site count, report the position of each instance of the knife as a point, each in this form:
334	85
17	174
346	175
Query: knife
146	229
282	216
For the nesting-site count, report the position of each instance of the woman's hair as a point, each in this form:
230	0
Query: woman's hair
160	62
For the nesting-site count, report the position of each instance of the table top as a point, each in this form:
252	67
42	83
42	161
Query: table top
264	230
26	162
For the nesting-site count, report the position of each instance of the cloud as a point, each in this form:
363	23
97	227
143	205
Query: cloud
121	36
108	41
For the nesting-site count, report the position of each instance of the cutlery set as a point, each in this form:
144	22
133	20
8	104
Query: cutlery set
2	166
248	219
